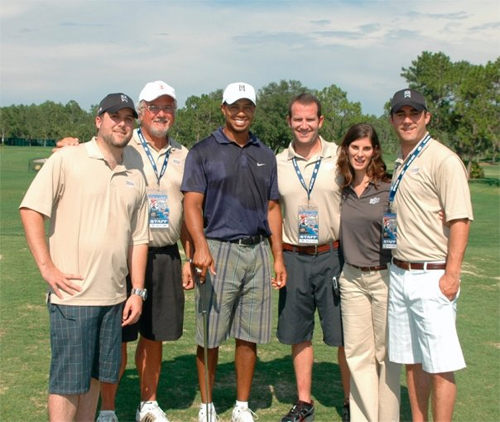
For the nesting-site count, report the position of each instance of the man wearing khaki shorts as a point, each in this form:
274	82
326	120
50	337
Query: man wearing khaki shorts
425	270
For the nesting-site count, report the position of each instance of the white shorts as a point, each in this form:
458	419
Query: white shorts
422	322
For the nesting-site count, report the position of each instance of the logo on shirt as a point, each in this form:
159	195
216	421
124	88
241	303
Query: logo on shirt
415	170
130	183
374	201
261	164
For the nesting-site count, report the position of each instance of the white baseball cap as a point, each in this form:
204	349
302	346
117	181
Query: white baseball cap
238	90
156	89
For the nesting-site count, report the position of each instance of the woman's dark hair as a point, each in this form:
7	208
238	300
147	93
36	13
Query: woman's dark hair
376	169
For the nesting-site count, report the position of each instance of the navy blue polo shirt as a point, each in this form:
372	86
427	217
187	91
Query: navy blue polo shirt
237	183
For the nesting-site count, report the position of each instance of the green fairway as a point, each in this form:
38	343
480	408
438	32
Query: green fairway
25	350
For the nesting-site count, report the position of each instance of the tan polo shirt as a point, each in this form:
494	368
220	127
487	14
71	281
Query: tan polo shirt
435	181
325	195
170	182
95	215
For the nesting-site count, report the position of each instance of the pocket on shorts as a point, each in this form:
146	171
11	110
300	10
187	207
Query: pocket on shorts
444	297
66	312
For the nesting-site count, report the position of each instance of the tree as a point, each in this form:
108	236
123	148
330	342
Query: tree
464	100
199	117
272	108
339	113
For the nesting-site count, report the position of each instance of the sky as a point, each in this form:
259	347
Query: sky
81	50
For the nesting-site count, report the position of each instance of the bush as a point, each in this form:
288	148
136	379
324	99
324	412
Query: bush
476	171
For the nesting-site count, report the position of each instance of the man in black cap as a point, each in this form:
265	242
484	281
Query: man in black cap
96	202
429	181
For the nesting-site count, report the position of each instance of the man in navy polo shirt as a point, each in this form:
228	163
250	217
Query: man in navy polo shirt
232	213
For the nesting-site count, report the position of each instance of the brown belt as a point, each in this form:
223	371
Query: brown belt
417	265
311	250
375	268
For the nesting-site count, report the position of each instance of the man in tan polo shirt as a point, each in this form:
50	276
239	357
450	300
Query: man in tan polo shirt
309	188
161	160
97	206
425	271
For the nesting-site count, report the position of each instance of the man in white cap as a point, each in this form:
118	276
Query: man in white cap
95	198
162	164
232	213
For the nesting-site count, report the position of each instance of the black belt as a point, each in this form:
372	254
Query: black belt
369	269
246	241
160	249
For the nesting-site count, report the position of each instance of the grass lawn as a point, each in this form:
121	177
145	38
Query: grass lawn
25	351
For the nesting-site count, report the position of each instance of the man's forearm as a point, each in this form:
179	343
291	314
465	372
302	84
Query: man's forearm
137	261
187	241
34	229
276	225
457	244
193	217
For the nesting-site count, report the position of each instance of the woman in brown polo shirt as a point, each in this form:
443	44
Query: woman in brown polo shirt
375	387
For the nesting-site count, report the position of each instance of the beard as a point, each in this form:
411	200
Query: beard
159	132
116	142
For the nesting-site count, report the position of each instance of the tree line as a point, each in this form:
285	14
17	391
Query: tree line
464	100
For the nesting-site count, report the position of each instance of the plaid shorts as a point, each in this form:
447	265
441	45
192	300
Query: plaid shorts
238	297
85	343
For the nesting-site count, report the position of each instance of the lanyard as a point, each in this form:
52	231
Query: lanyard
151	159
301	178
416	152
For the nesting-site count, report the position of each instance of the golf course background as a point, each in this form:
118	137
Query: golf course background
25	350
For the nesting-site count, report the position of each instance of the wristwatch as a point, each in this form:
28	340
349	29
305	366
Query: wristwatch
140	292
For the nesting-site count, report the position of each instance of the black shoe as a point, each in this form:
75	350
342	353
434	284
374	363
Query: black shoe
300	412
346	412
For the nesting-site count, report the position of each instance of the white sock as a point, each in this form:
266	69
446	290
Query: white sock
203	406
107	412
242	405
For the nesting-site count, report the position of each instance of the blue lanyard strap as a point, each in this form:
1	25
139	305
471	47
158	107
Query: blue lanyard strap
415	153
151	159
301	178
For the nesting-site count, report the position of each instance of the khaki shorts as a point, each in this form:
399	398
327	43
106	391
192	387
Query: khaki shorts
238	297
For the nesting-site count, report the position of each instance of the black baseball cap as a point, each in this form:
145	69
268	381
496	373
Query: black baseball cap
408	97
112	103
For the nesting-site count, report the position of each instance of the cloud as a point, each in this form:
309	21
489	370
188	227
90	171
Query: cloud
82	49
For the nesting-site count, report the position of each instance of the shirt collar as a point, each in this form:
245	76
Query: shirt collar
326	151
221	137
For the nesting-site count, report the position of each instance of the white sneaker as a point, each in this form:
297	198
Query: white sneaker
150	412
243	415
107	416
211	417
